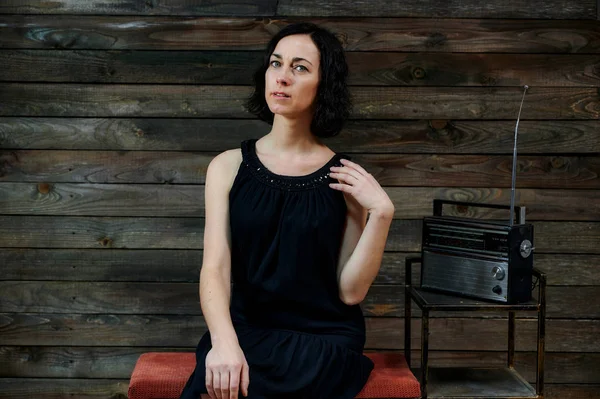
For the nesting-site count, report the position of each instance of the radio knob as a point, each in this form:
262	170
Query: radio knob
498	274
526	248
497	290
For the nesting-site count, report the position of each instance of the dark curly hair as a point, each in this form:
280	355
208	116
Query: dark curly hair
333	103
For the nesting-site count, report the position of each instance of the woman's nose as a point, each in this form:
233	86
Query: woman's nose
282	80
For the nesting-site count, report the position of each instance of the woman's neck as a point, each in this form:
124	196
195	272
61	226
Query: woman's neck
291	136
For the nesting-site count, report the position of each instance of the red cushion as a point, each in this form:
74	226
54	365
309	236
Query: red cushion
162	375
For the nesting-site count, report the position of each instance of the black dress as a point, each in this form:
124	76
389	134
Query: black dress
299	339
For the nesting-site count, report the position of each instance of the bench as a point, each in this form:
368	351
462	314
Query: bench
162	375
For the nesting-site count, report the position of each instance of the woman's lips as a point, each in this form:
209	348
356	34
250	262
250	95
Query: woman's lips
280	94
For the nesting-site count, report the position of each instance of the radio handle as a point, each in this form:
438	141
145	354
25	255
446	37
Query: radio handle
439	203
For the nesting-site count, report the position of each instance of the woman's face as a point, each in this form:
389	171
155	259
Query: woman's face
292	78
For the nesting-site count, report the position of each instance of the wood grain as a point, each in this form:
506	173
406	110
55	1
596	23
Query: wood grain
473	171
89	199
186	233
54	388
19	99
184	266
20	331
182	298
155	7
537	9
357	34
103	199
162	265
236	68
402	136
557	9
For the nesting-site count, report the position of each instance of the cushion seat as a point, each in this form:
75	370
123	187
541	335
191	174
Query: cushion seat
162	375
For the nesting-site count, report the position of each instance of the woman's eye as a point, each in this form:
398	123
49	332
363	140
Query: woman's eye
275	64
301	68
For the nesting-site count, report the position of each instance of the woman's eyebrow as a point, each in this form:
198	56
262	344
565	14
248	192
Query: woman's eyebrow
295	59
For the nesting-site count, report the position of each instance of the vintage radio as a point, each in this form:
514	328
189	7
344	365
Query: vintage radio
479	258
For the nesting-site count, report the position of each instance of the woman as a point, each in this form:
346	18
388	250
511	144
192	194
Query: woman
286	222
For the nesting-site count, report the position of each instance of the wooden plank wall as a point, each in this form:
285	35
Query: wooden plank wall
111	110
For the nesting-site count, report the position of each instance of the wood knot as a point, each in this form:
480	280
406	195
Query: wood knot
557	162
438	124
139	132
435	39
418	73
106	242
44	188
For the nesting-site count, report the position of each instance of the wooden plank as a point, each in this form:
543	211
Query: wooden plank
72	388
422	136
171	330
69	362
46	99
104	166
95	232
366	68
357	34
536	9
155	7
157	266
418	69
91	362
186	233
103	265
85	199
103	199
191	67
556	9
182	298
470	171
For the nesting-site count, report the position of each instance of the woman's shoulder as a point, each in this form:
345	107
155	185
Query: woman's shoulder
225	165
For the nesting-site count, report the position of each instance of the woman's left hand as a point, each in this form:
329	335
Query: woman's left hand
356	181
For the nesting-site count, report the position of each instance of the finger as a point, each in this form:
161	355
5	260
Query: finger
345	169
225	385
245	382
217	384
344	177
209	384
234	383
341	187
354	165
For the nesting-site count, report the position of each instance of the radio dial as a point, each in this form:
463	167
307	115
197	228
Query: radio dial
498	273
497	290
526	248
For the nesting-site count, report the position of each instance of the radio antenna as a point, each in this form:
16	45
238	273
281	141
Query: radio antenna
514	164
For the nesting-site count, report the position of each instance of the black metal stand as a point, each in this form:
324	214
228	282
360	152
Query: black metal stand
462	383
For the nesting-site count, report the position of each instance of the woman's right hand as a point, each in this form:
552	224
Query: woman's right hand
227	372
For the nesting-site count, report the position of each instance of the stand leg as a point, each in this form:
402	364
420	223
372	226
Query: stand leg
511	339
541	335
407	310
424	352
407	326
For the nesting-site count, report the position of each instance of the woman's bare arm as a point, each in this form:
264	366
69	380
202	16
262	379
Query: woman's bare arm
226	367
363	244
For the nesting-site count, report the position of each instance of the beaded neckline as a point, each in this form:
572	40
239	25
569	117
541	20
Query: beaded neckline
289	183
